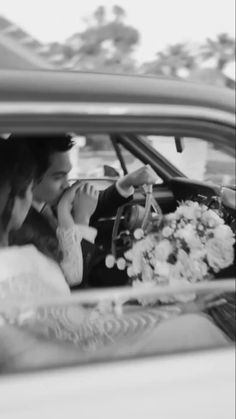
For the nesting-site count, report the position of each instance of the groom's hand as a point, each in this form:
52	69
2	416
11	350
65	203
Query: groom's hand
143	176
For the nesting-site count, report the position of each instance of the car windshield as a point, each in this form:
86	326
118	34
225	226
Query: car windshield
198	159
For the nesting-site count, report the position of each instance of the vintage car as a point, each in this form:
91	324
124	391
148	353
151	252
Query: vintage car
186	133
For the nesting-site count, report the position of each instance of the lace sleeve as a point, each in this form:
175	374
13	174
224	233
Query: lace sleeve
70	245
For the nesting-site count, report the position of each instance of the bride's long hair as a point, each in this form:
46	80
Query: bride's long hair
17	171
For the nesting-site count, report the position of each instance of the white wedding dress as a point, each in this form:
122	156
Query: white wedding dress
25	273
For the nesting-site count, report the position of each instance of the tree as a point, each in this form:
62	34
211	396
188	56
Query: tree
221	49
119	13
105	45
208	76
100	15
171	61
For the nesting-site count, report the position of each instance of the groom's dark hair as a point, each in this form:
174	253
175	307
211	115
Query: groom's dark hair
43	146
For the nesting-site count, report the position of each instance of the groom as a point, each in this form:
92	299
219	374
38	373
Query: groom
52	156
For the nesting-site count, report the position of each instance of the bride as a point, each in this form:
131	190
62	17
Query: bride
24	271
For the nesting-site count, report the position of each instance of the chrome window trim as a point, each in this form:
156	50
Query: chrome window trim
123	294
116	109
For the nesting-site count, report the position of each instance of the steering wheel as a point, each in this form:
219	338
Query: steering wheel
135	216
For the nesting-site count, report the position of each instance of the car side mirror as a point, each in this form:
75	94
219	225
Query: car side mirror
110	171
179	144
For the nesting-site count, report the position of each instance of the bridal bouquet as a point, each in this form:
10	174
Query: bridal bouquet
190	245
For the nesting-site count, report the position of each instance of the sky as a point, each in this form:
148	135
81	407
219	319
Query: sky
160	22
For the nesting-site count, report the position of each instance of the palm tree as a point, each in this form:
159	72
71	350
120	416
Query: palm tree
170	61
119	13
105	45
100	15
222	49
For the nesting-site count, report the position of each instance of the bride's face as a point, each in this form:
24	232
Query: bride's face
21	208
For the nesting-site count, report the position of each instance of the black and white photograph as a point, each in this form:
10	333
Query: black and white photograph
117	209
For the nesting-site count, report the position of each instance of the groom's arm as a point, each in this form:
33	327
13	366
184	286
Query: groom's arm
122	191
109	201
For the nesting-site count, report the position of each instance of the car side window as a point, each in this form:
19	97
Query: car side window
92	156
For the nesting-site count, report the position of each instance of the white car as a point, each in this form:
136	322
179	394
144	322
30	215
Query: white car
179	129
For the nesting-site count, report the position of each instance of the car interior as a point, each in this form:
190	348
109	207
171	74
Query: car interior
189	167
102	158
128	152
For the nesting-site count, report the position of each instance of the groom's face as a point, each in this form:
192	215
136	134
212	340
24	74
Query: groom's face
55	180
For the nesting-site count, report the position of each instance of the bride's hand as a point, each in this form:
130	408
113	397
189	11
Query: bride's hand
65	205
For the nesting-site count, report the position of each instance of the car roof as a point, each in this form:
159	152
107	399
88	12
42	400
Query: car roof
62	86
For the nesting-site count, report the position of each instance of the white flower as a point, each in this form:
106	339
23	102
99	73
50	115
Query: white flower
110	261
130	272
188	233
192	241
171	217
138	234
198	253
135	255
167	231
189	211
162	250
183	266
147	271
224	234
121	264
220	254
199	269
190	268
162	269
211	218
219	249
149	299
129	254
